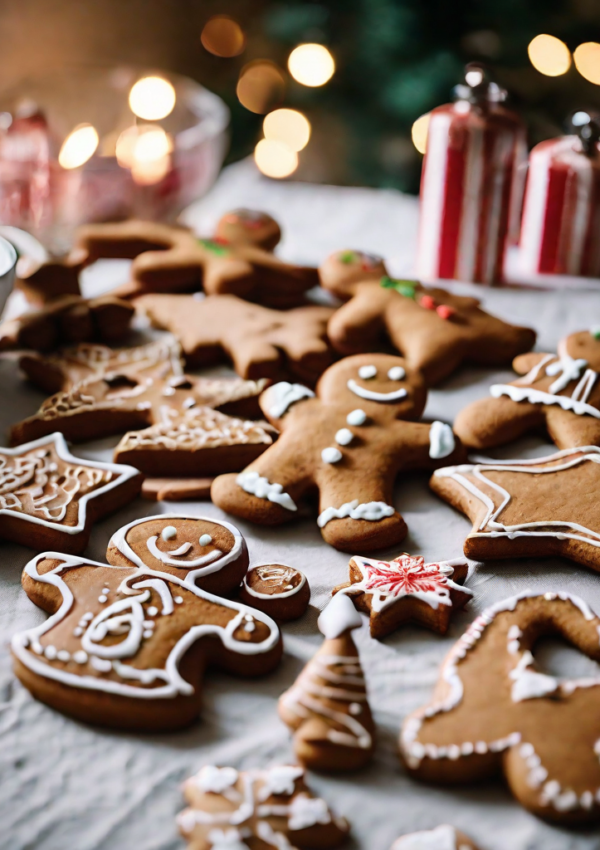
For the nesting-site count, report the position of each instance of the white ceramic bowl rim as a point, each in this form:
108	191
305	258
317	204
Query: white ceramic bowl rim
8	257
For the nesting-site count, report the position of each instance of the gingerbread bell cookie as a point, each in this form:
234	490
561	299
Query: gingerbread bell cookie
280	591
237	261
257	341
49	498
493	711
534	508
271	809
127	642
557	393
327	706
434	330
443	837
349	442
406	590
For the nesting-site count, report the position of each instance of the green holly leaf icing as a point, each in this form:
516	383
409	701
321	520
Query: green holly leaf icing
347	257
408	288
214	247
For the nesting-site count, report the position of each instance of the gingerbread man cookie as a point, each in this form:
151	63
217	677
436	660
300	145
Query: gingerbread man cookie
443	837
492	711
406	590
280	591
327	706
348	442
534	508
435	330
48	497
267	809
127	642
259	342
558	393
168	258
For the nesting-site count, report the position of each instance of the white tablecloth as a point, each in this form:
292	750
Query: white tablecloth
68	786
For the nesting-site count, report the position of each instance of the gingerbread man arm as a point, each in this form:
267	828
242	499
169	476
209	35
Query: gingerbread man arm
567	429
493	421
126	239
359	325
524	363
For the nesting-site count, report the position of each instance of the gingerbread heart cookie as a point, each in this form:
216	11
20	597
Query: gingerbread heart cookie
280	591
267	809
558	394
127	642
493	711
443	837
49	497
435	330
349	442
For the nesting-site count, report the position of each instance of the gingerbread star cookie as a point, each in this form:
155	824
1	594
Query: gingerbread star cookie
68	320
534	508
443	837
280	591
270	809
406	590
259	342
494	712
558	394
237	261
327	706
434	330
42	281
127	642
50	498
349	442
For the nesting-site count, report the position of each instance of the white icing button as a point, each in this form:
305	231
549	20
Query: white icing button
103	665
248	618
147	633
249	627
189	402
367	372
168	391
396	373
102	598
356	417
344	436
37	648
205	539
50	652
148	624
80	657
63	655
168	532
78	631
179	600
355	708
152	611
331	455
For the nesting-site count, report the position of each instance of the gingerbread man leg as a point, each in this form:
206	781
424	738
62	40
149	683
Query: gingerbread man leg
494	421
567	429
357	326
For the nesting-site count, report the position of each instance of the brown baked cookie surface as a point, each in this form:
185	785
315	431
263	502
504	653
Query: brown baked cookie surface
493	711
434	330
558	394
327	706
348	442
237	261
43	282
259	342
128	641
443	837
264	809
406	590
50	498
529	508
280	591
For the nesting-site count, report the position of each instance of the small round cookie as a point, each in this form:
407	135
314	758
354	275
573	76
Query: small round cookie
280	591
442	838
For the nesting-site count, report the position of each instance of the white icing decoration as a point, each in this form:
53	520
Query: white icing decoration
305	811
282	395
339	616
331	455
396	373
529	684
441	838
344	437
371	395
153	610
169	532
80	657
441	440
205	539
367	372
252	482
280	780
171	558
215	779
567	369
275	575
371	511
226	839
538	397
356	417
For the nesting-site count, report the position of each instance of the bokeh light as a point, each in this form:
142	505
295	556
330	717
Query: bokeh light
311	64
587	61
152	145
222	36
79	146
146	151
275	159
152	98
288	126
261	86
549	55
419	132
147	172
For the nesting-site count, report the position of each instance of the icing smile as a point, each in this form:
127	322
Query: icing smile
170	557
371	395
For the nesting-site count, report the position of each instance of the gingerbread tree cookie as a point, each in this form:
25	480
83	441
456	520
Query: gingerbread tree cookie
168	258
558	393
48	497
128	641
534	508
267	809
349	443
492	711
259	342
435	330
406	590
327	706
443	837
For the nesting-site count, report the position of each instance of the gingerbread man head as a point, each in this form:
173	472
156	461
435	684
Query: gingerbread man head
342	270
248	227
583	345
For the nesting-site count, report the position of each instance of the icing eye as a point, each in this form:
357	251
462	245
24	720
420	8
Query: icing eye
169	532
205	539
367	372
396	373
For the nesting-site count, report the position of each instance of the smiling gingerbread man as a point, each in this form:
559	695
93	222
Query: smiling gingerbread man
348	442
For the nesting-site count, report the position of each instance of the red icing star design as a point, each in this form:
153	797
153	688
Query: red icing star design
404	575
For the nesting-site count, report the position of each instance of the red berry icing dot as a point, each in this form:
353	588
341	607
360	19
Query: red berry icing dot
444	311
427	302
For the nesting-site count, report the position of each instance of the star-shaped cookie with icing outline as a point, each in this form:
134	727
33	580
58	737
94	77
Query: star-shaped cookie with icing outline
406	589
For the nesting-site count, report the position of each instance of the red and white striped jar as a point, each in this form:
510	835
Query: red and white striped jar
471	185
560	230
